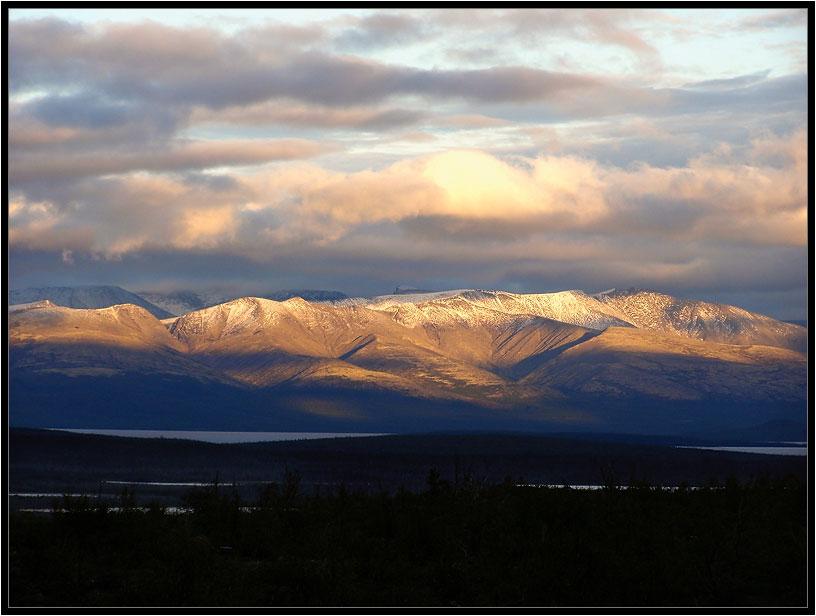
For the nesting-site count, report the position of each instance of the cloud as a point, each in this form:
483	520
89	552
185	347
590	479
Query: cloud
611	27
309	116
182	157
139	86
786	18
29	133
382	30
756	196
468	121
80	110
731	83
152	62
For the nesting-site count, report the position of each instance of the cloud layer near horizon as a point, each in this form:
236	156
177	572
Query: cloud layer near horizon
305	147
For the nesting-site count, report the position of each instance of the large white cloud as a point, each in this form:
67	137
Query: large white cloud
757	197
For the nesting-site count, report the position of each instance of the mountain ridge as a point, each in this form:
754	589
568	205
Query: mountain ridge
634	307
472	358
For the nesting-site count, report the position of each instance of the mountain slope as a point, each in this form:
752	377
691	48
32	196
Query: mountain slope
266	343
100	296
47	338
640	363
633	308
703	320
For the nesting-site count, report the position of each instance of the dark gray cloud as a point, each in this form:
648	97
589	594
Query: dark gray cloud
495	85
182	157
81	110
312	116
204	67
731	83
149	74
748	93
693	118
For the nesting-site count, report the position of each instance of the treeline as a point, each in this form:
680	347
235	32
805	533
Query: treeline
464	543
56	462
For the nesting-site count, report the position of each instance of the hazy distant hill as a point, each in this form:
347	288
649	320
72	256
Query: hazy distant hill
181	302
99	296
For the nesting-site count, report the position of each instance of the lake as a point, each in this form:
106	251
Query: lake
219	437
784	449
776	451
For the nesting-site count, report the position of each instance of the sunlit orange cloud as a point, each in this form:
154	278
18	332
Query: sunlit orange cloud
452	196
466	184
202	227
710	198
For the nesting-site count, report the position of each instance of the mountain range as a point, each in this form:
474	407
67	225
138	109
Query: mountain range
636	360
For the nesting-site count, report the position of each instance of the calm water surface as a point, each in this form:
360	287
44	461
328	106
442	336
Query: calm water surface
791	449
219	437
776	451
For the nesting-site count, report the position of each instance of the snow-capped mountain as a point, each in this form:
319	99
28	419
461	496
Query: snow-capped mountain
632	308
464	343
449	358
366	346
91	296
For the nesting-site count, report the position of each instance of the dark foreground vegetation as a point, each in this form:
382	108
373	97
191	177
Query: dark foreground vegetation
468	544
361	521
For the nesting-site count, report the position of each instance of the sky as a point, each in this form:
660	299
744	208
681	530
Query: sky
527	150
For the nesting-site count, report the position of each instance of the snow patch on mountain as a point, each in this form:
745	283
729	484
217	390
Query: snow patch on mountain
690	318
384	302
469	306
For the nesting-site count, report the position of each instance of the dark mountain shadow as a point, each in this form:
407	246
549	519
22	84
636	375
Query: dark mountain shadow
530	364
50	386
